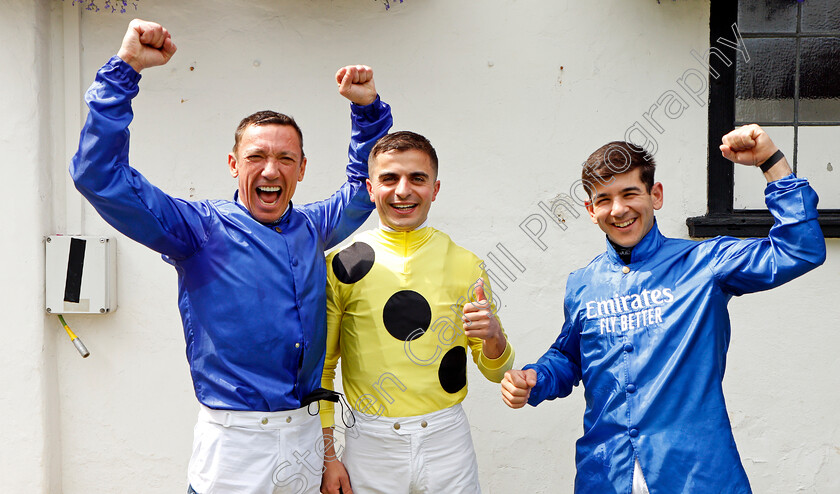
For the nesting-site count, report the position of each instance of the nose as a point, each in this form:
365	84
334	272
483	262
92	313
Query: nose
271	170
619	208
403	188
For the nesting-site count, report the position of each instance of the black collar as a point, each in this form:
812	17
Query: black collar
623	252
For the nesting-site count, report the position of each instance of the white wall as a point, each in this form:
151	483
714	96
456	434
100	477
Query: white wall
29	433
483	80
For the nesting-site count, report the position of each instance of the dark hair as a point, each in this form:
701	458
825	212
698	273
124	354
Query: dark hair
403	141
614	158
266	117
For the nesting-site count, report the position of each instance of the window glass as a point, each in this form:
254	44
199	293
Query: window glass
767	16
820	16
819	80
765	85
819	162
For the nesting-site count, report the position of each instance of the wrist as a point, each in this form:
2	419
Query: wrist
771	161
130	60
365	102
494	346
775	167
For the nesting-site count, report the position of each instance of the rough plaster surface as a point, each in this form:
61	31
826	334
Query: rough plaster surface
514	95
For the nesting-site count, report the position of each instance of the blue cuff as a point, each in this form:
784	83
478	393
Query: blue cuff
121	70
368	112
537	392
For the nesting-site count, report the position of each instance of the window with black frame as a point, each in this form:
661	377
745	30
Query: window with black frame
786	78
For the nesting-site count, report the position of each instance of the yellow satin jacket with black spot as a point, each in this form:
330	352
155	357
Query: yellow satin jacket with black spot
394	306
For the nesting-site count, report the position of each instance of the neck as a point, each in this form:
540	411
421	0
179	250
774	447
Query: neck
384	227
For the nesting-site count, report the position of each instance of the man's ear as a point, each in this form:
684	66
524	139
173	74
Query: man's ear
591	210
234	172
657	194
369	189
302	170
437	189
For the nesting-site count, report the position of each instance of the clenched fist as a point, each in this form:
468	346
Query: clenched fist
355	82
146	44
750	145
516	387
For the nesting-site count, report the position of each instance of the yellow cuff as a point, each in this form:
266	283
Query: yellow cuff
327	413
494	369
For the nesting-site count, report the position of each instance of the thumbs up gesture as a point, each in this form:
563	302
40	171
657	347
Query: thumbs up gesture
516	387
478	318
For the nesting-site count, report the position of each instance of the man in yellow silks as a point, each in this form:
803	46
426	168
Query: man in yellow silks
404	305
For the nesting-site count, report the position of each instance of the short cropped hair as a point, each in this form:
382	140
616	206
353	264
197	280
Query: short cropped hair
614	158
403	141
266	117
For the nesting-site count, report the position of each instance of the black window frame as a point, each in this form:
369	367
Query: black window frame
721	218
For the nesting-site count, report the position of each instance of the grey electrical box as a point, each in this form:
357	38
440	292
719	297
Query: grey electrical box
81	275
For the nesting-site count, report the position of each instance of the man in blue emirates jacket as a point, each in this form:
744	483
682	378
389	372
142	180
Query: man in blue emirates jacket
251	271
647	328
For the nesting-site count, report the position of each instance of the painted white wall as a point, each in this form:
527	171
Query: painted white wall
483	80
30	459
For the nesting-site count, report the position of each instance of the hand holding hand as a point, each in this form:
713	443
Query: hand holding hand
516	387
355	82
146	44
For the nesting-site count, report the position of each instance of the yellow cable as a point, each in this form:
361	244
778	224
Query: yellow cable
77	342
70	332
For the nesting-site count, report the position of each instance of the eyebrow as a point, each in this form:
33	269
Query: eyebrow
249	151
386	173
626	189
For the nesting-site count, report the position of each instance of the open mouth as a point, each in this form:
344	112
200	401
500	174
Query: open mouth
625	224
404	208
268	195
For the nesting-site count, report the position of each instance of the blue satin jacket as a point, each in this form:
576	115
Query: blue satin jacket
649	342
252	296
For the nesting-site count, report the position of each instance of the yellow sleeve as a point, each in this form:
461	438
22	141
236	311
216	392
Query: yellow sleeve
335	310
493	369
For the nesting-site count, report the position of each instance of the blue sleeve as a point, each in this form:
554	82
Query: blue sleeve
558	371
121	195
344	212
794	246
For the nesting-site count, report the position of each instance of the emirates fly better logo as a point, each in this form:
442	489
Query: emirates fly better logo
623	313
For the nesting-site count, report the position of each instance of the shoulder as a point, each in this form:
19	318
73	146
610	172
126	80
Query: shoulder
708	247
220	204
224	210
353	257
595	265
443	240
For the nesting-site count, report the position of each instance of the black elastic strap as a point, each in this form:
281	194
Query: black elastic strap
772	160
333	396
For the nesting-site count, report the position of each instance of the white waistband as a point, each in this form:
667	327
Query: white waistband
409	425
256	420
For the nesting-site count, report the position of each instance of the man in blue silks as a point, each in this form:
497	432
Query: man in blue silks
647	328
251	271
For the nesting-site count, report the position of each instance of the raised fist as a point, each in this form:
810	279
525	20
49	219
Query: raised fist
355	82
747	145
146	44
